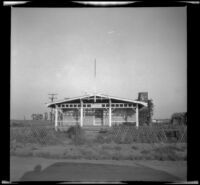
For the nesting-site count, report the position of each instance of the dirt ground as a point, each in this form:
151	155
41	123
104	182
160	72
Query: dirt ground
34	168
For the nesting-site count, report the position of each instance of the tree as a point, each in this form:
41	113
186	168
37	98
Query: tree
146	113
179	118
150	110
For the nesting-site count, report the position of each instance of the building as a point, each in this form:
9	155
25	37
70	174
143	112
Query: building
179	118
96	110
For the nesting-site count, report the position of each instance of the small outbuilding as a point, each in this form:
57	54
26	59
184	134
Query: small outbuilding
179	118
97	110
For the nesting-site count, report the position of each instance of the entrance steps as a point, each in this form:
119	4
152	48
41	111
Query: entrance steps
95	128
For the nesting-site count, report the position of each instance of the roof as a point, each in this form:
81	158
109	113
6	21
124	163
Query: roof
99	95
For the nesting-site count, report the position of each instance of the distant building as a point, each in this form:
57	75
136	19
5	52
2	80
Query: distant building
37	116
179	118
161	121
96	110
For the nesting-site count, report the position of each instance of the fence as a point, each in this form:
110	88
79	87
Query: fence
46	135
149	134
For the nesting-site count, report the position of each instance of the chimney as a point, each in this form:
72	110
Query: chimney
143	96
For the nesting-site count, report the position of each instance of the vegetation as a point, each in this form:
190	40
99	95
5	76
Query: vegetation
146	113
109	151
115	144
76	134
179	118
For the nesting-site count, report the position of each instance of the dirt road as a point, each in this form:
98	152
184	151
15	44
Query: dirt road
38	169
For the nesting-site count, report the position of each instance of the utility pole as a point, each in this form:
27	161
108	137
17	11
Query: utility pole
52	97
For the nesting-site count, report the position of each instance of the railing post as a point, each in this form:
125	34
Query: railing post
56	118
81	114
110	114
137	116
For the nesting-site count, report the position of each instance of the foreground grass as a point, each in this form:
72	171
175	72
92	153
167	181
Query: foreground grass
111	151
45	142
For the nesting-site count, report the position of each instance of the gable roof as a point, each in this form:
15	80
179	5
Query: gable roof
97	95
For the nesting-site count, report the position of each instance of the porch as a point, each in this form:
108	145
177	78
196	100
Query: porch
96	112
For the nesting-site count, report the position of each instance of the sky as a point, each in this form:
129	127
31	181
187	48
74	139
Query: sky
136	50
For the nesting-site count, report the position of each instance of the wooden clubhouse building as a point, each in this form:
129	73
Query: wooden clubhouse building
96	110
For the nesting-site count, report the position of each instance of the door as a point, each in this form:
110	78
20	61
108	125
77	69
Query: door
98	117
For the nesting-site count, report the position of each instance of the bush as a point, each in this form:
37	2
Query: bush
134	147
74	131
77	134
103	138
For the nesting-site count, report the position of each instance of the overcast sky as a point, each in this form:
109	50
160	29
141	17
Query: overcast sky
136	49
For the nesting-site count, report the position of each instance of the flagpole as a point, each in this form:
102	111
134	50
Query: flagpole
95	76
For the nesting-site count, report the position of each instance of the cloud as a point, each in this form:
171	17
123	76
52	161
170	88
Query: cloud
58	75
111	32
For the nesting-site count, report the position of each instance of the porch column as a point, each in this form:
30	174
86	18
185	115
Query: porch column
56	118
81	114
110	114
137	116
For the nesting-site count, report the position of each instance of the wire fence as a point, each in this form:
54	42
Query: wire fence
46	135
149	134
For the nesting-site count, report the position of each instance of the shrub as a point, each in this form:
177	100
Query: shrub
145	152
118	148
77	134
179	118
166	153
134	147
103	138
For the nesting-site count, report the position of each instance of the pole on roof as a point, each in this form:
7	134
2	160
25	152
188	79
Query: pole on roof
95	80
110	113
52	97
95	76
